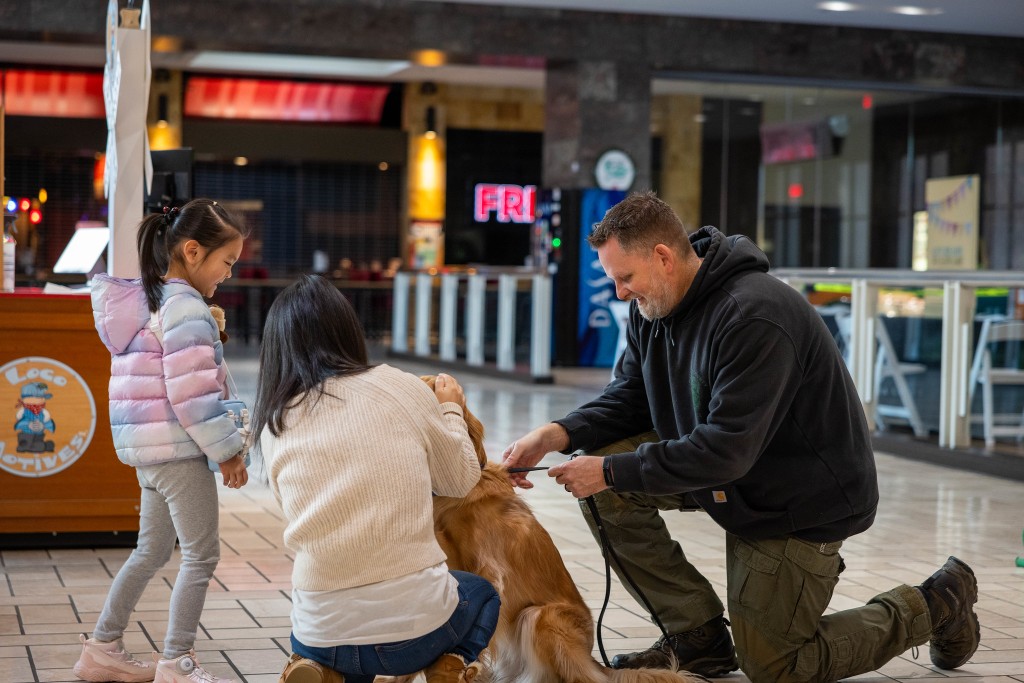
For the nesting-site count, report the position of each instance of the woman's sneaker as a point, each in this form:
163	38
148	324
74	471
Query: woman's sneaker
109	662
185	669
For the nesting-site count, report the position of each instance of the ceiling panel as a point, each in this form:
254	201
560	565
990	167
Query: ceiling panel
985	17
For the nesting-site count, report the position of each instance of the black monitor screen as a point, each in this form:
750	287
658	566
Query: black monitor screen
172	179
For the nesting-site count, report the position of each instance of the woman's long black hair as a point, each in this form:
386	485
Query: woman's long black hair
312	333
202	220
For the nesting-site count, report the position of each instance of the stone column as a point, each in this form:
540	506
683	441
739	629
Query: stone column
591	107
681	136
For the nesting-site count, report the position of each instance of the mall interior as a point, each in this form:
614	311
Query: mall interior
442	163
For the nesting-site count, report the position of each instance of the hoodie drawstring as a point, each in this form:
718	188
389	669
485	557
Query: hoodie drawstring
668	331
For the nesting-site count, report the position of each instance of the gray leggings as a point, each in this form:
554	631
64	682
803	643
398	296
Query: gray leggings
179	500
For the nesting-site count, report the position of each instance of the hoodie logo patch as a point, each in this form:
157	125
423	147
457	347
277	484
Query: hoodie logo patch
719	497
53	419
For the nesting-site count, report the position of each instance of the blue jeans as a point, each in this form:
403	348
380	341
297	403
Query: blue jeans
466	633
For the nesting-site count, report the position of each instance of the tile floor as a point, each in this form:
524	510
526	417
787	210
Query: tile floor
927	513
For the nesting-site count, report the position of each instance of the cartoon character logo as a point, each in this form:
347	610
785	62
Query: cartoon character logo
54	417
32	419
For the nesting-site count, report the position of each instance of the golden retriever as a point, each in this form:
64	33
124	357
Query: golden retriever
545	631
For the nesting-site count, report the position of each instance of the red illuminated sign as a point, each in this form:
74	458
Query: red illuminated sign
27	92
509	203
249	98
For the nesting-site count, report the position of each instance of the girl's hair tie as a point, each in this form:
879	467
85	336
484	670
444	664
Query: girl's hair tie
170	213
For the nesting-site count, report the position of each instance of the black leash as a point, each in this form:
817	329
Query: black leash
607	551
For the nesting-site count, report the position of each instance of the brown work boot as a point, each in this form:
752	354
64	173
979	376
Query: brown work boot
302	670
951	593
706	650
450	668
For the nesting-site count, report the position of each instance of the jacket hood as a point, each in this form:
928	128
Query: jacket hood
725	256
119	310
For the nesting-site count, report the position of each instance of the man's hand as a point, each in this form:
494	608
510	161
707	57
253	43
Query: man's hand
234	472
583	476
528	450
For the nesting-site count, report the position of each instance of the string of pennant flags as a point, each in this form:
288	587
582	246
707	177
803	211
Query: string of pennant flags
948	202
949	226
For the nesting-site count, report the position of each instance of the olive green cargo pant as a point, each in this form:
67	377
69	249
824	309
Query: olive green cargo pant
777	590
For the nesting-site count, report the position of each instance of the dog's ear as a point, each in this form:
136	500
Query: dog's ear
476	435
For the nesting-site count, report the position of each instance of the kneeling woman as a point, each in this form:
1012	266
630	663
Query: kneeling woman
353	452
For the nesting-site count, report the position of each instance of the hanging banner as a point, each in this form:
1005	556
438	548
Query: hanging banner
952	205
129	168
597	330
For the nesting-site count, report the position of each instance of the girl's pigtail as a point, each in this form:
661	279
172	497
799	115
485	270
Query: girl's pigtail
152	244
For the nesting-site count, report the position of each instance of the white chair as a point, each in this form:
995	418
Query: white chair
888	364
842	318
1005	335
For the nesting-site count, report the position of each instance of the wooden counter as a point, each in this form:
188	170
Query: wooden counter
58	469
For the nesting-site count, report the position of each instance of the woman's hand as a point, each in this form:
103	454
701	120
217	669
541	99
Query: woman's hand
234	472
448	390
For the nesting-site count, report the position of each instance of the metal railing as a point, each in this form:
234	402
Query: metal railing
437	301
958	313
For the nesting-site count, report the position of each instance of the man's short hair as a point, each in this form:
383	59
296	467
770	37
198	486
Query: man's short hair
640	222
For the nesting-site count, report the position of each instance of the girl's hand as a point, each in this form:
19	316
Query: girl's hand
448	390
234	472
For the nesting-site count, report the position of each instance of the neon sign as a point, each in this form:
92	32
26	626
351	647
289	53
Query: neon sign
509	203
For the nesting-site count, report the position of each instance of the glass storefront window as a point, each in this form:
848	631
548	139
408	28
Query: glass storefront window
833	177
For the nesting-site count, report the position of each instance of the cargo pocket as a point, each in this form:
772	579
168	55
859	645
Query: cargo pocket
806	581
753	580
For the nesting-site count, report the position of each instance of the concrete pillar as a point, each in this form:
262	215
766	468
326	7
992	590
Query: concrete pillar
681	155
590	108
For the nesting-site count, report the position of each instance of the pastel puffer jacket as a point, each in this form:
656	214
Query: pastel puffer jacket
165	399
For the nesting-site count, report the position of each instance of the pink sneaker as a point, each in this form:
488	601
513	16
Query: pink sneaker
185	669
109	662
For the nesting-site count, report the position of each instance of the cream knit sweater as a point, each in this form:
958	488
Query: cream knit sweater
354	476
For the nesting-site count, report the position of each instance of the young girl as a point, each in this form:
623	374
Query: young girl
353	452
167	418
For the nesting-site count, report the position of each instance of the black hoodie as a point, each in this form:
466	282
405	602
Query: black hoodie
758	416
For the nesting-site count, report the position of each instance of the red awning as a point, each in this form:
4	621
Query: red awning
242	98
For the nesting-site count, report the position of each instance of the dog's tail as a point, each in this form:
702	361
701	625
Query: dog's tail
554	642
557	638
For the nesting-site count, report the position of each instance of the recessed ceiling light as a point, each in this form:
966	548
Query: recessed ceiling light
838	6
915	11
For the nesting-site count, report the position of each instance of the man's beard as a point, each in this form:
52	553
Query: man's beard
658	303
